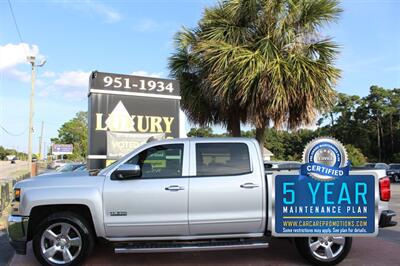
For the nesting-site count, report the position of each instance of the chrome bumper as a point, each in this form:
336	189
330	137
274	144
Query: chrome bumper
18	232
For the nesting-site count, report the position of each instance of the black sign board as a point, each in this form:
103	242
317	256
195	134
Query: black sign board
127	111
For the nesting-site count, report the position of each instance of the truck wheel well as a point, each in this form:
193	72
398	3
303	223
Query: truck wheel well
38	213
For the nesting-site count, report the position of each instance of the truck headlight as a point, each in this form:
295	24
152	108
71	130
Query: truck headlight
16	202
17	194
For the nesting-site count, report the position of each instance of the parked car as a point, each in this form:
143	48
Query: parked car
377	165
394	172
56	164
69	167
169	195
66	168
81	168
382	166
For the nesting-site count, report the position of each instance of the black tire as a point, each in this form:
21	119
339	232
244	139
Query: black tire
65	218
303	247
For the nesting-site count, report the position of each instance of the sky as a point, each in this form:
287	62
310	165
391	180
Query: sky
136	37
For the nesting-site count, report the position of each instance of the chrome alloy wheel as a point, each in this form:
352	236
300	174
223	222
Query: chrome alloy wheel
326	248
61	243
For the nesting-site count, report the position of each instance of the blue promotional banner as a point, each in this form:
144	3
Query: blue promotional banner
305	206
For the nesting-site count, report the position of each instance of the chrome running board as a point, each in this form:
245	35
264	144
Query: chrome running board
184	247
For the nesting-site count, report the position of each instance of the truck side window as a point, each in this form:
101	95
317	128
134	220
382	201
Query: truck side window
221	159
160	161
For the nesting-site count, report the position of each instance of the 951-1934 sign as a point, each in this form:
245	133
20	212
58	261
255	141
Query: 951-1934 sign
134	84
141	85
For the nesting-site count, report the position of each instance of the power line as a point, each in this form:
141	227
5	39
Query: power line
12	134
15	21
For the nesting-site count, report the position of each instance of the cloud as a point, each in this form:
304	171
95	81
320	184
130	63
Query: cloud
110	15
13	59
73	79
19	75
48	74
147	74
14	66
12	55
90	7
71	84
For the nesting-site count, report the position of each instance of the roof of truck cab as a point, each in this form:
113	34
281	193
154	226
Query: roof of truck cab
211	139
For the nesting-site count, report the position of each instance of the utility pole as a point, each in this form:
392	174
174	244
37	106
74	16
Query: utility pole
45	150
41	141
32	61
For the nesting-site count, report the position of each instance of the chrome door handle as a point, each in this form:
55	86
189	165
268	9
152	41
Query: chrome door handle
174	188
248	185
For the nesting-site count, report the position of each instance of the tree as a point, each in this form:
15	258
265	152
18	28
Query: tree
355	155
201	132
370	123
75	132
201	105
4	152
261	61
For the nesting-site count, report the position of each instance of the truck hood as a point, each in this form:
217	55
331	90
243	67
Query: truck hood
62	180
62	174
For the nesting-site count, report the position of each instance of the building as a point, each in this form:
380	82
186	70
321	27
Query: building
267	154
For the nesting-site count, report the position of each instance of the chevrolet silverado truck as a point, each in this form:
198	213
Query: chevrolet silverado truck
165	196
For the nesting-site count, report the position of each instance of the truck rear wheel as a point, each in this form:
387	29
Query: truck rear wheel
63	239
329	250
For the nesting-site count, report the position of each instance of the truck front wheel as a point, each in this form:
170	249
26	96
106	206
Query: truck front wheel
62	239
329	250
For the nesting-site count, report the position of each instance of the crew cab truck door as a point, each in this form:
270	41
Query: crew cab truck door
154	204
226	189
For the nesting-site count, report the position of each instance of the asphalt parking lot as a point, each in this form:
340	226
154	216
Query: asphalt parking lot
365	251
383	250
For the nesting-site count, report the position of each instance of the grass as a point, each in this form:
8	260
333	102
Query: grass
18	173
6	211
3	218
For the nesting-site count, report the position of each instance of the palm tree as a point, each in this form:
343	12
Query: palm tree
267	58
199	101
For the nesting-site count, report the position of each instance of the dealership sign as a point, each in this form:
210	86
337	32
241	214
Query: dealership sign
127	111
61	149
324	199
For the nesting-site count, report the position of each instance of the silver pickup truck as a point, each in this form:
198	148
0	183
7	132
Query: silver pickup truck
165	196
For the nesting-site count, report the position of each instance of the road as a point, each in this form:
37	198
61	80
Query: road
7	169
395	203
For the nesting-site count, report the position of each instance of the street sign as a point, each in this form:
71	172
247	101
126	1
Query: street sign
60	149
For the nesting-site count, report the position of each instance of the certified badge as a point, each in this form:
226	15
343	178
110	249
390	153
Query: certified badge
325	159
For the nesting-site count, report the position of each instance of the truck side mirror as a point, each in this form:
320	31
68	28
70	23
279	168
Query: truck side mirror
127	171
